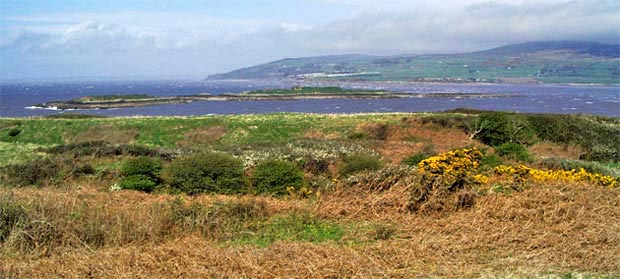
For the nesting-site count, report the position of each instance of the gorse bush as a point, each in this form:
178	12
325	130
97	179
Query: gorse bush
205	173
276	177
565	164
522	174
358	162
446	181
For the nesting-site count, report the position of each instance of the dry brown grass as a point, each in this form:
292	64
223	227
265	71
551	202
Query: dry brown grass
202	136
553	228
108	133
547	149
414	137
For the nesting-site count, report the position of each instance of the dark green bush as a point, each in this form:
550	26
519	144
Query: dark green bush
139	182
513	151
446	121
141	166
500	128
491	161
358	162
205	173
13	132
598	135
274	176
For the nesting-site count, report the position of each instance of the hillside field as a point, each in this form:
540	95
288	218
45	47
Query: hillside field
460	194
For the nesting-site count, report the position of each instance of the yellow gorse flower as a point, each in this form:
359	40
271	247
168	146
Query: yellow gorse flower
522	173
459	164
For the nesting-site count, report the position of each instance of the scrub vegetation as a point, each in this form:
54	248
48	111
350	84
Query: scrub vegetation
462	194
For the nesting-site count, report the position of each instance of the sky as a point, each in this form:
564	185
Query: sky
172	39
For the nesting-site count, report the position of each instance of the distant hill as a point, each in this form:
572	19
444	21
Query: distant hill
533	62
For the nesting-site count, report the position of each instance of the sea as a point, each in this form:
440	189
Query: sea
17	99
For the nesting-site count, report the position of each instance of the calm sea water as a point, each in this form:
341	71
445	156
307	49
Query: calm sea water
16	98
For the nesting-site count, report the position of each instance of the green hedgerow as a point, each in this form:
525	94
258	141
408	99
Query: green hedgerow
205	173
275	176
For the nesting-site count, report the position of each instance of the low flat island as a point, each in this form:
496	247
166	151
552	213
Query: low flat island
294	93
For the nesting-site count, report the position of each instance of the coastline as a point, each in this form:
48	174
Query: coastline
183	99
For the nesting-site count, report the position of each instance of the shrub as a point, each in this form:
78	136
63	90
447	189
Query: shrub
205	173
358	162
13	132
500	127
491	161
513	151
445	121
141	166
446	181
139	182
275	176
37	172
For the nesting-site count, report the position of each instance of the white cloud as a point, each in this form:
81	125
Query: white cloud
169	41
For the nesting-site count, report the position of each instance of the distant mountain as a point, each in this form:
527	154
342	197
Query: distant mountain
533	62
588	48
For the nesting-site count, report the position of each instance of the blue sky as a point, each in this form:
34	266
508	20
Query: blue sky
191	39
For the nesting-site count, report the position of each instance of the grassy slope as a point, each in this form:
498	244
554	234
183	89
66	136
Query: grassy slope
549	65
556	229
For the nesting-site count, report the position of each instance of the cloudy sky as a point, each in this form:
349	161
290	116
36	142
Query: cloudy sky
191	39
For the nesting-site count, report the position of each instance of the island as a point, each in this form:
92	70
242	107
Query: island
294	93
